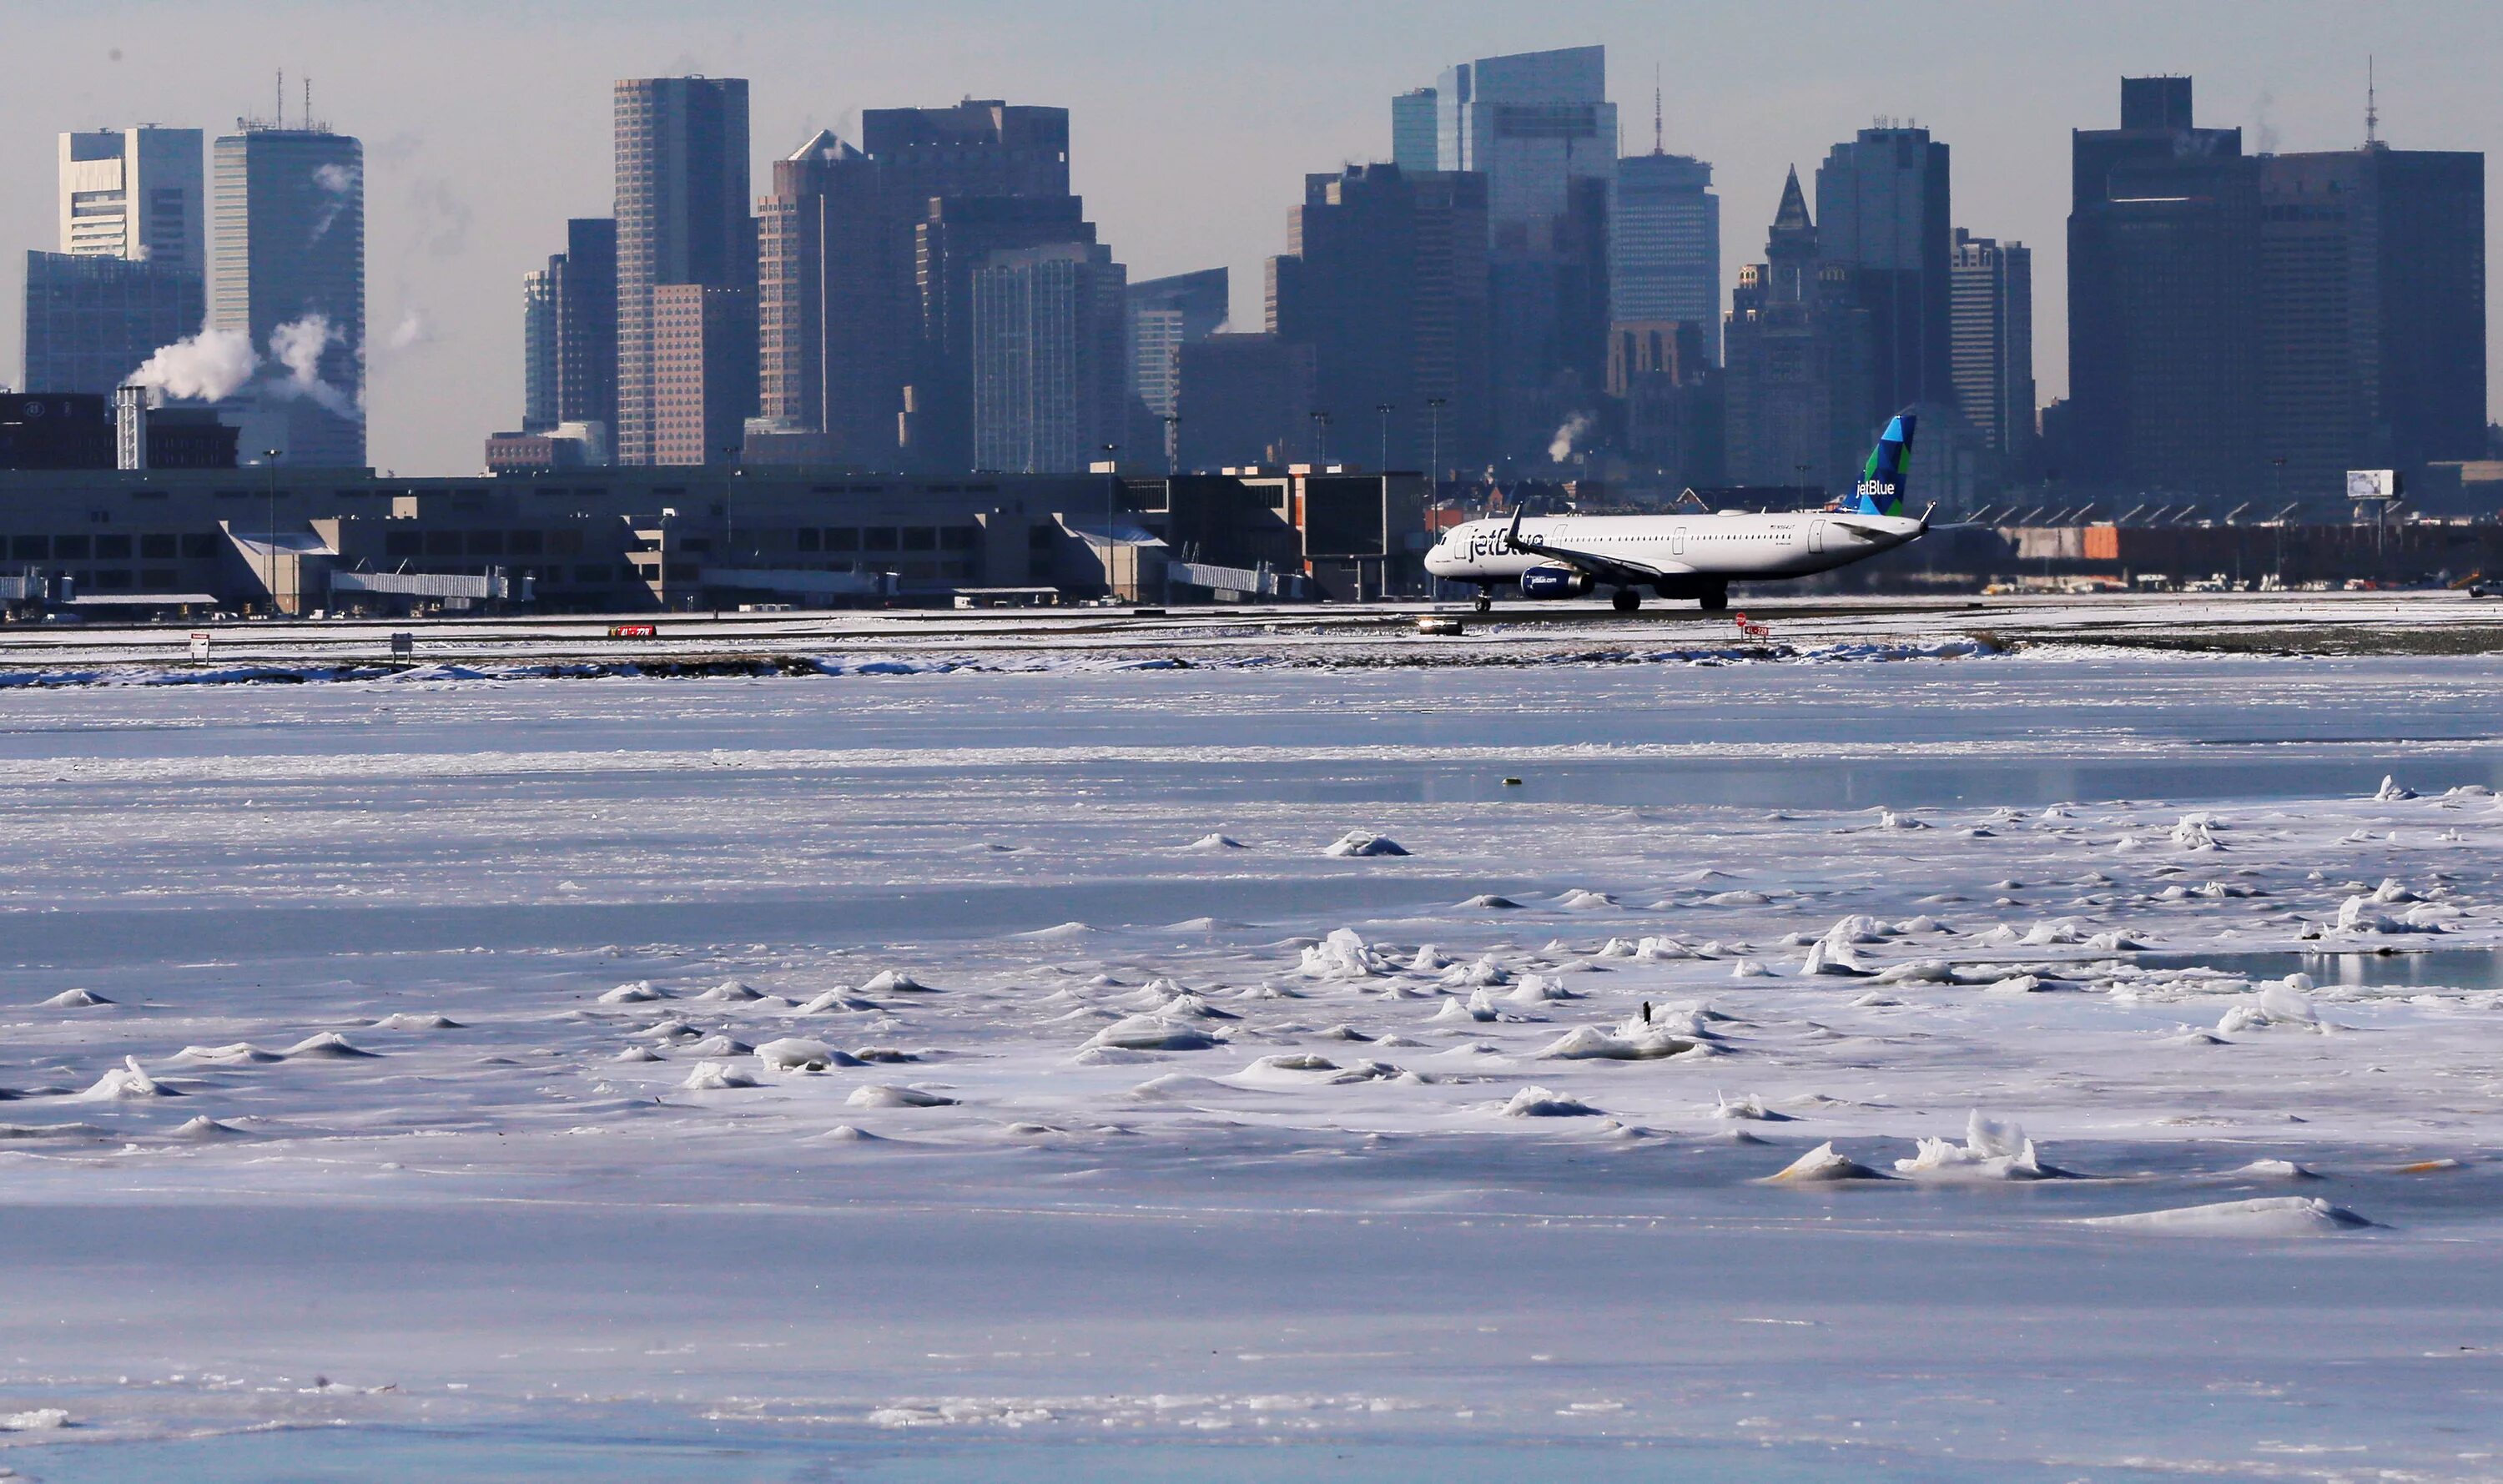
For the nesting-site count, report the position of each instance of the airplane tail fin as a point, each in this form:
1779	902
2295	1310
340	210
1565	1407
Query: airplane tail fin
1883	487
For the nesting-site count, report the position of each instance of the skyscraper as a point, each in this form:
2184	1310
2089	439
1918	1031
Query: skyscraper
1166	314
682	218
288	274
2164	303
1416	128
1386	278
130	275
136	195
91	322
1801	362
1047	359
538	351
584	283
1540	127
2372	312
704	372
843	305
1882	210
1664	249
1993	342
958	236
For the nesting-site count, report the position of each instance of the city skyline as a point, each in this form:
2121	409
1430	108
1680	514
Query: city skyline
455	220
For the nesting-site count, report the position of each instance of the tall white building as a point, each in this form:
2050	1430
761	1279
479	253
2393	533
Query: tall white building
1993	339
134	194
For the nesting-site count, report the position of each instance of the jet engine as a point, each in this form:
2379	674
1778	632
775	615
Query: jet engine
1555	582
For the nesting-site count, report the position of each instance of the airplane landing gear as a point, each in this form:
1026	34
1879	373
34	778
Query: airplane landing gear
1486	601
1716	599
1627	600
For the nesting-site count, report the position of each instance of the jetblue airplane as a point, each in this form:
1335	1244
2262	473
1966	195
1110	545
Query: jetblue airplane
1684	555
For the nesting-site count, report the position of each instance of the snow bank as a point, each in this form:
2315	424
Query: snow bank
2265	1215
326	1046
1152	1032
715	1076
729	992
232	1054
891	981
793	1054
2196	832
640	992
1825	957
1823	1165
878	1094
1539	990
1343	955
1992	1150
1544	1103
75	999
1358	843
128	1080
206	1130
2271	1170
1590	1043
41	1419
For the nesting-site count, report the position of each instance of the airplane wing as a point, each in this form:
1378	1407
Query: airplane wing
1608	569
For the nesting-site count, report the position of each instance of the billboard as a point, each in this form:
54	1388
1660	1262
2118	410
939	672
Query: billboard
2372	484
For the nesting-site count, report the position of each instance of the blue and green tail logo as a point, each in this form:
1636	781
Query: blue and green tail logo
1882	489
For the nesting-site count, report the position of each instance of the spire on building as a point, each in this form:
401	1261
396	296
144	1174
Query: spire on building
1793	216
2372	109
1658	116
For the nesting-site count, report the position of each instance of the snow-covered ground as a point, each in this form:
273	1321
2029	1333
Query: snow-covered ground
1332	637
2040	1066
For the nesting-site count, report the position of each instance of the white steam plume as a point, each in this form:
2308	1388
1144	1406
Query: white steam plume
337	183
414	330
1561	447
297	345
209	366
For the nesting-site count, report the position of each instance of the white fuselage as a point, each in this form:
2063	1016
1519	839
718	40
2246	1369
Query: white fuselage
1741	545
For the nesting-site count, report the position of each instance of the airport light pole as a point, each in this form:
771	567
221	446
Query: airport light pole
1111	485
1381	410
269	555
1434	455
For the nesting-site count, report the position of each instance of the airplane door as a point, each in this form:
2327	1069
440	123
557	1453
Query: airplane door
1677	541
1816	535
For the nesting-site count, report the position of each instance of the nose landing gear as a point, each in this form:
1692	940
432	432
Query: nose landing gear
1486	601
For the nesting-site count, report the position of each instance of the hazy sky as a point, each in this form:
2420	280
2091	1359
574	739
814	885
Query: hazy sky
487	125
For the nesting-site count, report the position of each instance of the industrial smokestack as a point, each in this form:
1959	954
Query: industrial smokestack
131	427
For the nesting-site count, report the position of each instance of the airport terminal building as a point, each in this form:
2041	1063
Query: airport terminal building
133	543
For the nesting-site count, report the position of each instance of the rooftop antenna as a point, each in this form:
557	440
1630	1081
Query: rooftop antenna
2372	108
278	95
307	121
1658	115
